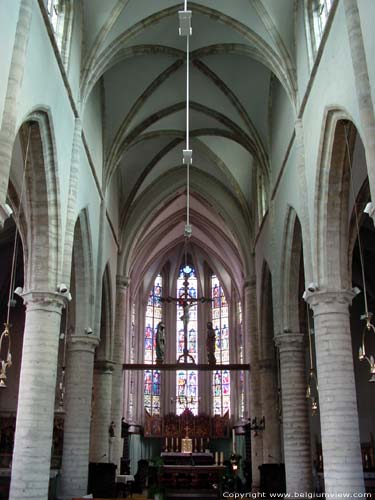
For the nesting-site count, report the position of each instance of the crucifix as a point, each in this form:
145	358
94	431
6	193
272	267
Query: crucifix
186	301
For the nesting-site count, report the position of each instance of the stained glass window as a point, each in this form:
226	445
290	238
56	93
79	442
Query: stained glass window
242	373
151	380
220	322
187	380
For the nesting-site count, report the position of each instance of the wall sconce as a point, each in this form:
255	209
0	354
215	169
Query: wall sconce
257	426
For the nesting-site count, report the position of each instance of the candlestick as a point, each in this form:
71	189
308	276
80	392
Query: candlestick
172	445
234	441
201	445
216	458
221	459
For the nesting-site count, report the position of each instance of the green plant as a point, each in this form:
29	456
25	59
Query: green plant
155	487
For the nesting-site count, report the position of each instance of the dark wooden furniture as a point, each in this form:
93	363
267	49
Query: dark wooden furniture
192	476
200	428
272	478
102	480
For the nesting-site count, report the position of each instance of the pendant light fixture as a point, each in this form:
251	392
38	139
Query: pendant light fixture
312	391
185	30
367	316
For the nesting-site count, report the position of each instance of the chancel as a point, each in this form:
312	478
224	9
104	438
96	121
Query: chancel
187	264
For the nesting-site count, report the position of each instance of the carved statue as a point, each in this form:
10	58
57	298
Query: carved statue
210	344
111	430
160	342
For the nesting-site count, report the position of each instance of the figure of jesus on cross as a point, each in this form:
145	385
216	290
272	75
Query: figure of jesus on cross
186	300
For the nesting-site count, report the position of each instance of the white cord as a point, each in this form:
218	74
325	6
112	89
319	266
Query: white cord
187	128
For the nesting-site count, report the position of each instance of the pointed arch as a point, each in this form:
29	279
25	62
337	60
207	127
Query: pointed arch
332	200
82	279
266	314
291	272
40	206
104	350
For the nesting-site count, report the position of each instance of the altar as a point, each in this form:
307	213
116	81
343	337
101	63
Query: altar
180	471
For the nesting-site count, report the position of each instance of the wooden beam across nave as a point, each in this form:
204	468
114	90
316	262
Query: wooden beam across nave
186	366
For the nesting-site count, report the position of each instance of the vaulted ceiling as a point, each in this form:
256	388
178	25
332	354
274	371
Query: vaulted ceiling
135	56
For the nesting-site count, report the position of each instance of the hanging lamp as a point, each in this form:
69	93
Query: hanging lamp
367	316
5	337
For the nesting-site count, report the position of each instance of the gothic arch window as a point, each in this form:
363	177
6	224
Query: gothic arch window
220	322
318	12
187	380
151	378
60	13
242	360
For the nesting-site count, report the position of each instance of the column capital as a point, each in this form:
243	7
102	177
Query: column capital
329	298
5	212
290	341
82	343
104	366
42	299
122	281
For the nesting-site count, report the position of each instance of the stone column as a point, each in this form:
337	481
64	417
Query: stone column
101	444
79	376
9	118
36	398
251	354
120	344
271	435
343	471
296	431
362	87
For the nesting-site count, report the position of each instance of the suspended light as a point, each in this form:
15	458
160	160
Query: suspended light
185	29
367	316
312	390
6	361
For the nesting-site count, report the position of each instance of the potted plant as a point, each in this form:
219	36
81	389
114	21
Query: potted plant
155	490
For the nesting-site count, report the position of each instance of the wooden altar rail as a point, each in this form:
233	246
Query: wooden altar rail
186	366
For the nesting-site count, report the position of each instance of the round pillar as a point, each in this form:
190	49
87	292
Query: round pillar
271	435
296	430
36	398
343	472
101	442
79	377
120	345
251	354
